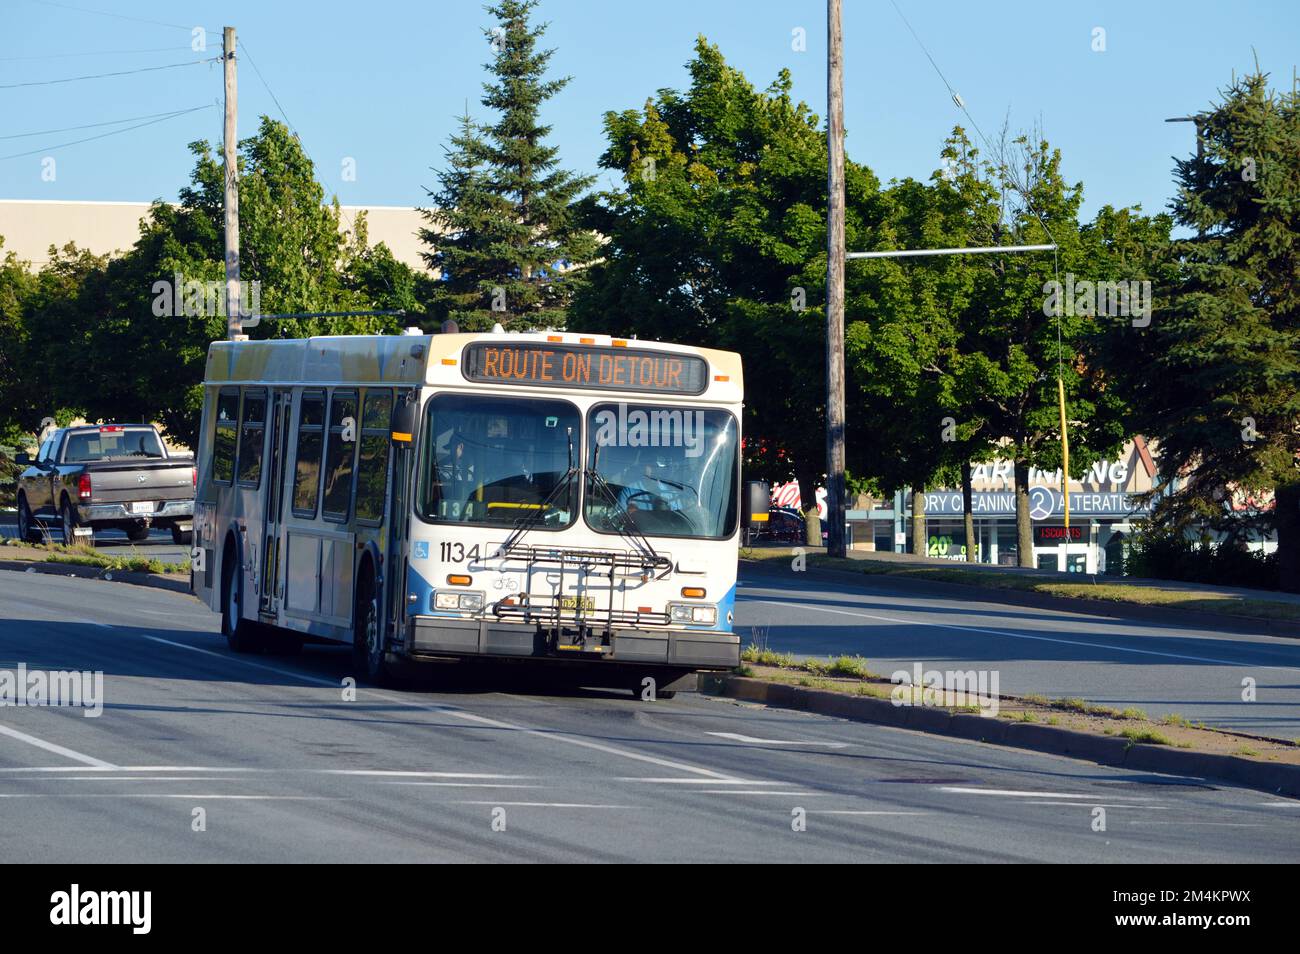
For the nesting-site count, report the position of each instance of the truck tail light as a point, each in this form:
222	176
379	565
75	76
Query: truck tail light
83	486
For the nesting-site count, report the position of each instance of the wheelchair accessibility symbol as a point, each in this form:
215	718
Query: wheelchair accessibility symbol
1042	503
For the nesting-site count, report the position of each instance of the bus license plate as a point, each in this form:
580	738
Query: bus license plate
585	603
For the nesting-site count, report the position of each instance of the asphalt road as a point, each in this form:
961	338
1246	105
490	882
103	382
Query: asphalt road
1195	672
285	769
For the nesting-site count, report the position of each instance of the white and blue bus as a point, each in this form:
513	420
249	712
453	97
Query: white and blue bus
544	495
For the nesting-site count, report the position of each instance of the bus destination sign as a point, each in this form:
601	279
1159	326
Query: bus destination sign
548	364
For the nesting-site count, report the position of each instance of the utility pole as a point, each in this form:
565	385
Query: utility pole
835	489
234	317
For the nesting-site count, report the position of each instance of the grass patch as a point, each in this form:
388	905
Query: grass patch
844	667
81	555
1147	736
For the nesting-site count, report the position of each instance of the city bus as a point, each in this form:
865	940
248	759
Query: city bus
528	496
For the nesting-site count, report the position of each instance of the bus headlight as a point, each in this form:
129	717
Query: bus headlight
693	613
470	602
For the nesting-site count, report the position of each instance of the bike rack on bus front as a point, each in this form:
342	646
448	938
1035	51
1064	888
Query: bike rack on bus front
548	611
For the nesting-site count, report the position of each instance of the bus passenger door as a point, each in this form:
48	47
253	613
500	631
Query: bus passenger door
399	516
277	452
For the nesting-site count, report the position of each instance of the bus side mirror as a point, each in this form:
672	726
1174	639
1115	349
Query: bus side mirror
755	503
401	424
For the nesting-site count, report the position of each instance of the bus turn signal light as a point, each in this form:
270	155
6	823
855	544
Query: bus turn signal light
459	579
693	592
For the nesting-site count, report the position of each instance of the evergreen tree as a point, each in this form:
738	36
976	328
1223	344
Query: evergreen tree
1216	378
506	208
460	233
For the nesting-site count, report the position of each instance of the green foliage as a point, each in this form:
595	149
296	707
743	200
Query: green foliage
502	230
1171	555
716	237
102	337
1216	381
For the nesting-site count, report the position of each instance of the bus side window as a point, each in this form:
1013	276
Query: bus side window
306	478
339	457
372	467
223	445
252	429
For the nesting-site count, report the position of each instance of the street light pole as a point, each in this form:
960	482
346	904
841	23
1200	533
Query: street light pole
835	484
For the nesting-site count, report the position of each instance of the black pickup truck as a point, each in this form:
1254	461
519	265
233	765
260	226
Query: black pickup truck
100	476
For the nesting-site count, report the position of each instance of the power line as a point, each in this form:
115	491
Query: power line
145	69
961	104
117	16
111	122
75	142
243	48
60	56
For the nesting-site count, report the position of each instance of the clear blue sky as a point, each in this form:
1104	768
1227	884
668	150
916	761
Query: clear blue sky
381	81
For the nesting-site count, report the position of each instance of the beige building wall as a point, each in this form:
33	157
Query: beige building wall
31	226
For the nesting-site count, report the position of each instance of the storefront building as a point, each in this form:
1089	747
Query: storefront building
1103	510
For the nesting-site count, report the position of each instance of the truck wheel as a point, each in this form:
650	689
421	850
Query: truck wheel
136	534
28	529
242	636
69	521
182	538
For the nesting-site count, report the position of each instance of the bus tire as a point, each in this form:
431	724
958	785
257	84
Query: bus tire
242	635
367	650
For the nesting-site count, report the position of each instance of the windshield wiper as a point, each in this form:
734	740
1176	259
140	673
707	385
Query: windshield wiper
628	529
531	519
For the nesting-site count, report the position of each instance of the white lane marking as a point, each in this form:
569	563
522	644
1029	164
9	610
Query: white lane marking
750	740
1280	804
760	791
1101	804
463	715
822	811
538	804
694	781
402	774
1196	824
114	778
56	749
464	785
1018	793
194	795
1038	639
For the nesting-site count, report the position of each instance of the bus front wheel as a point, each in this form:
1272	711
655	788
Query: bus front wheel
367	636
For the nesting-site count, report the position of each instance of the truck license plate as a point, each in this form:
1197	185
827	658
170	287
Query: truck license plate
585	603
142	506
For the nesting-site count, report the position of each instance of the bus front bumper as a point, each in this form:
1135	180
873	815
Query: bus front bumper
689	649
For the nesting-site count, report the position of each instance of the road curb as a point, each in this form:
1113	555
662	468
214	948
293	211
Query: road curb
1200	619
134	577
1104	750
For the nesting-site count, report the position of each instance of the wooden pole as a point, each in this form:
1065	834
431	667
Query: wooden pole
835	489
234	318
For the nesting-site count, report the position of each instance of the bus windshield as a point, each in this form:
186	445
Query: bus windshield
492	460
671	471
